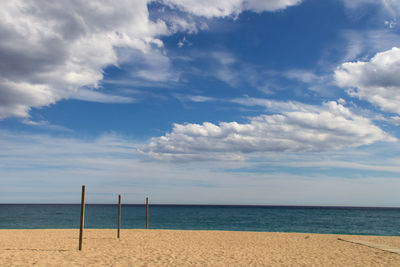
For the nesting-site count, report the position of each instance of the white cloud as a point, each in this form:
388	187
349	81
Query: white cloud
395	120
153	66
224	8
50	169
49	50
183	42
276	106
207	8
96	96
194	98
363	44
391	7
391	24
301	128
376	81
188	23
46	125
302	75
227	68
271	5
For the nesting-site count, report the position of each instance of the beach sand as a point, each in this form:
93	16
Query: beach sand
188	248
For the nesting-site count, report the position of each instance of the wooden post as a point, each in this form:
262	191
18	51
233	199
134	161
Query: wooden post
82	217
147	213
119	215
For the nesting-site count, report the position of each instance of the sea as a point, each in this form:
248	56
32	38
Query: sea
325	220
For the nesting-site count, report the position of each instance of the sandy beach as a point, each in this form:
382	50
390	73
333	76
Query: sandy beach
189	248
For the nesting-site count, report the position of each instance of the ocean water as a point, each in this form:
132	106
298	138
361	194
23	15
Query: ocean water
328	220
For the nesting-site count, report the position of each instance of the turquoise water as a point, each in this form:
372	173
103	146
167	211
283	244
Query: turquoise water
332	220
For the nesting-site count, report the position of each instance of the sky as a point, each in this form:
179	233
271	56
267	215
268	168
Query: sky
275	102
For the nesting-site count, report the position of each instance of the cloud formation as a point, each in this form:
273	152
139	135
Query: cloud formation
224	8
376	81
58	50
391	7
50	50
49	169
300	128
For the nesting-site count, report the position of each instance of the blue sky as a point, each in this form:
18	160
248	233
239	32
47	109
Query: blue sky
281	102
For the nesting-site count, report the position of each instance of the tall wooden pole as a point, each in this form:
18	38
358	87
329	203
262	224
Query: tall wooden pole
119	215
147	213
82	217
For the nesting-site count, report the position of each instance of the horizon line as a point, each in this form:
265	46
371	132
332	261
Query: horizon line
223	205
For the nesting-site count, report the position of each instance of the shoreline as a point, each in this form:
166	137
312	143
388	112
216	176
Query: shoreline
141	247
199	230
